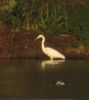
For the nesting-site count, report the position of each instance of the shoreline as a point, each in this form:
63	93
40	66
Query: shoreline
22	45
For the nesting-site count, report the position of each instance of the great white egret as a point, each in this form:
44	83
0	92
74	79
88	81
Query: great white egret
50	52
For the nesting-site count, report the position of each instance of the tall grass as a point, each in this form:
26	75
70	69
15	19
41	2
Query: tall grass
80	25
49	16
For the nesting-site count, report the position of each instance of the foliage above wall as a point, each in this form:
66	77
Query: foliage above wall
49	16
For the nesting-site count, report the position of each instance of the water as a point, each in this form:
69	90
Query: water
37	79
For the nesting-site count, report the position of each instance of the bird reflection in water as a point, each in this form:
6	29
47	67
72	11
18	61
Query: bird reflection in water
50	63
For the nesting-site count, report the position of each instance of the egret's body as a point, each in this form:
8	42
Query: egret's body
50	52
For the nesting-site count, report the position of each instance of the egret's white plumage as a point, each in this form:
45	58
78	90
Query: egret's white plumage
50	52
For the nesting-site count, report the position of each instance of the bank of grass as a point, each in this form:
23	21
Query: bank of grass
53	18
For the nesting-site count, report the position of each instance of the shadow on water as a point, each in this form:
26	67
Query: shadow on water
37	79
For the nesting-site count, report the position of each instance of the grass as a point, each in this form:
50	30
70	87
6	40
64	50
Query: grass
49	17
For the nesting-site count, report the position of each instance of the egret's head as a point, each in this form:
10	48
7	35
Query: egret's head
39	36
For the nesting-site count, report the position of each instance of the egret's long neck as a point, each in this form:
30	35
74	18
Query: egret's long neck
43	46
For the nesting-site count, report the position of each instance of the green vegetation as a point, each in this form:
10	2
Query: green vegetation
49	16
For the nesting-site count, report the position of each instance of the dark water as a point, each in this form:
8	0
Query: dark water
37	79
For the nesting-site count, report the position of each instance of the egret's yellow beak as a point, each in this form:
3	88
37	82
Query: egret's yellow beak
37	38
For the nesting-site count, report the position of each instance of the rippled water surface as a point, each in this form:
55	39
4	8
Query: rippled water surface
38	78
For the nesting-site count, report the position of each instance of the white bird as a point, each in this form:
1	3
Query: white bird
50	52
60	83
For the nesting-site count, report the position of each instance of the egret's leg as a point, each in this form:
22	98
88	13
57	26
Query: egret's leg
51	58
